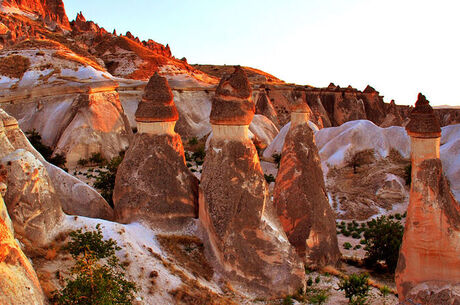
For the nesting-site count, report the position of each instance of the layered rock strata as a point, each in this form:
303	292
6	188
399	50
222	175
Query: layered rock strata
428	270
153	182
300	194
244	235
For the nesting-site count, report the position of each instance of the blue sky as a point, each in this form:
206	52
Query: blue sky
400	47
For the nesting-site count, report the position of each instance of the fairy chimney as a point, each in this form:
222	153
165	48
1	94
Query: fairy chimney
153	182
428	270
265	107
300	194
244	235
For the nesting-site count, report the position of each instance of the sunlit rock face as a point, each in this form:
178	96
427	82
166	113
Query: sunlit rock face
76	197
428	269
18	282
153	183
245	238
300	195
98	126
264	107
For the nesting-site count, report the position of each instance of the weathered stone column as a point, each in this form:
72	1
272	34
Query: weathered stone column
245	237
153	182
300	194
428	270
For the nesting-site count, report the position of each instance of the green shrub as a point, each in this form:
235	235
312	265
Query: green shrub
317	279
269	178
347	245
356	288
105	180
356	235
408	174
384	291
193	141
319	296
383	240
357	247
47	152
309	281
277	159
82	162
288	300
97	276
97	159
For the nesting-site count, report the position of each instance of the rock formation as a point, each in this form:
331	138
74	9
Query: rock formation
428	270
99	126
300	194
264	107
18	282
32	203
77	198
153	183
244	235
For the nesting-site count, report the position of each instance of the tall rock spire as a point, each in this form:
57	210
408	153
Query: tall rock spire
153	182
245	236
428	270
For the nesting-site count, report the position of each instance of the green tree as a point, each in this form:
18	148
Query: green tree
105	180
47	152
97	278
383	240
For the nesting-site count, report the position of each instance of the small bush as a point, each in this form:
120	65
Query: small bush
359	159
357	247
47	152
356	288
347	245
383	240
309	281
105	180
97	159
269	178
317	279
408	174
193	141
97	276
277	159
356	235
82	162
288	300
319	297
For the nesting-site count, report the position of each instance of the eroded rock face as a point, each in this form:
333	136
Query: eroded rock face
153	183
33	205
98	126
300	198
77	198
245	238
429	259
18	282
264	107
430	253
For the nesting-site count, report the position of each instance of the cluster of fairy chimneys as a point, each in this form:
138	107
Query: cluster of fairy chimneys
263	247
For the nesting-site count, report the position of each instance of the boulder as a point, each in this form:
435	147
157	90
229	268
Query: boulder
244	237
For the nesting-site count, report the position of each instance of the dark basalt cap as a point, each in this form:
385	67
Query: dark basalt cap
423	122
232	104
157	103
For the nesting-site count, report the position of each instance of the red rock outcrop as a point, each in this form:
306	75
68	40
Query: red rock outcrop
153	182
52	12
428	270
18	282
300	195
264	107
244	235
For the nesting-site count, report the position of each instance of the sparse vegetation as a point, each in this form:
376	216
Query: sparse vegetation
269	178
97	276
347	246
356	288
277	159
47	152
359	159
105	179
383	239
